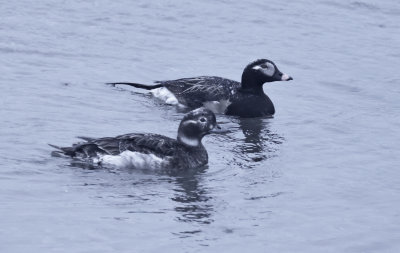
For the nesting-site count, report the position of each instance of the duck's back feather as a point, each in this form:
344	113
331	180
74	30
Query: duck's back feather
193	92
156	144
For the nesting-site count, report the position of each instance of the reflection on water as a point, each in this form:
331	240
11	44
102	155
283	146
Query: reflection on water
192	197
259	142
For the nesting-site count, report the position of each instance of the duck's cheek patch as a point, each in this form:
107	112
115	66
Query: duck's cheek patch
269	71
266	68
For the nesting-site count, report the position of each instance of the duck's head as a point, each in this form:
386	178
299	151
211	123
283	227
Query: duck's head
262	71
195	125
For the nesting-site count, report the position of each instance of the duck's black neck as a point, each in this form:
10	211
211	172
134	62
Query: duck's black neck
251	82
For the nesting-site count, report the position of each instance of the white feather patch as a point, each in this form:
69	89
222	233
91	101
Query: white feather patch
189	141
268	70
217	106
285	77
165	95
129	159
187	122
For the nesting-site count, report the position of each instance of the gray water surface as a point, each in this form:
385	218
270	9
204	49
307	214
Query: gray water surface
321	176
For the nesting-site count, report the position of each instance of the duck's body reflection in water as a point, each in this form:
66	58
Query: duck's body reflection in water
259	142
192	197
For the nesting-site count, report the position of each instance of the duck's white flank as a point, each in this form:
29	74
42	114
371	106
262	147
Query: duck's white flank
165	95
217	106
129	159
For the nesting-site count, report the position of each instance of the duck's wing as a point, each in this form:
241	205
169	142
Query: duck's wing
156	144
81	150
110	145
138	142
193	92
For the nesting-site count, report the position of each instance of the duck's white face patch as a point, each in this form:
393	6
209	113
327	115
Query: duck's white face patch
267	68
188	122
165	95
189	141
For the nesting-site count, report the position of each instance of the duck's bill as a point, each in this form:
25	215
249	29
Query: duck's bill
218	130
286	77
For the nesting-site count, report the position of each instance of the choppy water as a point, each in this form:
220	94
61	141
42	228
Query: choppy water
322	176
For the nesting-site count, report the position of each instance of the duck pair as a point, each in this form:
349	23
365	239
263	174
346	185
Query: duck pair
208	94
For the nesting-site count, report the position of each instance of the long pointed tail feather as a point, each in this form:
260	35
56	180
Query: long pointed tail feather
69	151
138	85
85	138
54	146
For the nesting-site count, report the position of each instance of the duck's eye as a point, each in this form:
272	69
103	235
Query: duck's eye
203	120
264	66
